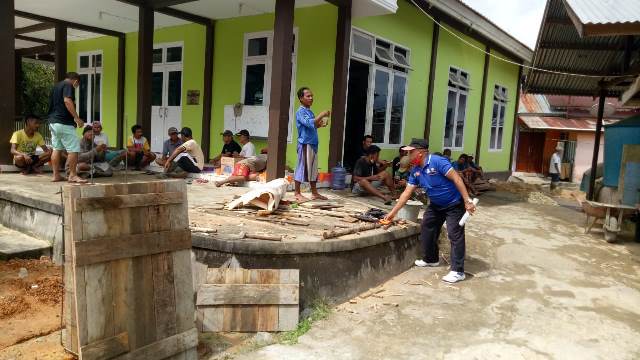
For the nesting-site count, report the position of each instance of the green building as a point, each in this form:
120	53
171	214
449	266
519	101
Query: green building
384	67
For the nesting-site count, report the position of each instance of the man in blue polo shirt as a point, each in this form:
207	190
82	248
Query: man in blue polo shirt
448	200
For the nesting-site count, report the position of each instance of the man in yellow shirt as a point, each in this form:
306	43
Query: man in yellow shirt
24	144
138	149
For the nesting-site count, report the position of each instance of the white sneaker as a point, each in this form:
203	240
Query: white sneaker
422	263
453	277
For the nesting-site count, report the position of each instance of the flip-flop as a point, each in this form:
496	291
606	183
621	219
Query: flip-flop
302	200
59	180
319	197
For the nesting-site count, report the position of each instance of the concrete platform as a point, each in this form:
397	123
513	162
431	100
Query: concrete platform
333	269
14	244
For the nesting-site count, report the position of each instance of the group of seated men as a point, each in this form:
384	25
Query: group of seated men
370	173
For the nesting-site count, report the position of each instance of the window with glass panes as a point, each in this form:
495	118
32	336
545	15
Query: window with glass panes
89	93
456	114
497	117
387	87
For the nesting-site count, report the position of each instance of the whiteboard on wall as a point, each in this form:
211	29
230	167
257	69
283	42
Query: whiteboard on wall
253	118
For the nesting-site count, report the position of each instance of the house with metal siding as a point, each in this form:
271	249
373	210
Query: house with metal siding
406	77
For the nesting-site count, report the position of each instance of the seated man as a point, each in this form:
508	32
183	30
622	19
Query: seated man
170	145
138	149
447	154
465	172
367	176
229	149
24	144
92	158
186	159
473	166
248	149
113	157
246	170
396	161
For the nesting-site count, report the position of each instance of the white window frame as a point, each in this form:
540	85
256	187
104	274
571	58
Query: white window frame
459	90
502	109
267	61
373	67
91	70
167	66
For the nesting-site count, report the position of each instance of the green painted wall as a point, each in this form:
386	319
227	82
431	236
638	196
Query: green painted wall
109	47
316	52
416	37
453	52
503	74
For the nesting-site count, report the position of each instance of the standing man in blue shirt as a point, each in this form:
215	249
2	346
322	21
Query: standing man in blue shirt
308	124
448	200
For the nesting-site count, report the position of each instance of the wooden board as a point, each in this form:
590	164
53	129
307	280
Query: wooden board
248	300
129	291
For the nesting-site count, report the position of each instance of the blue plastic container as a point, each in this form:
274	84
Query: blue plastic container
616	136
338	177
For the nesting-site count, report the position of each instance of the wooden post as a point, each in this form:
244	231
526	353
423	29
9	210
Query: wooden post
340	75
435	37
515	117
596	145
7	74
120	90
145	68
207	93
61	52
280	88
483	96
18	81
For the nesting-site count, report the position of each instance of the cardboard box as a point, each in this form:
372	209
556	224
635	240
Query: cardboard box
227	164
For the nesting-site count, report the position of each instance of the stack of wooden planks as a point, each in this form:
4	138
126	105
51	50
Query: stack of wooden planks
128	283
236	299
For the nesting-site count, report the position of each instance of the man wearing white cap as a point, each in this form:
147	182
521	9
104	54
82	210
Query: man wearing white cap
554	166
448	200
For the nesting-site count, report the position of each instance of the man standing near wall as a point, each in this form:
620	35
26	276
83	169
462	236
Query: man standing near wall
448	200
63	120
308	124
554	167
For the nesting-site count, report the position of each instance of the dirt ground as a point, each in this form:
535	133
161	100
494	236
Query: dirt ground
29	306
537	288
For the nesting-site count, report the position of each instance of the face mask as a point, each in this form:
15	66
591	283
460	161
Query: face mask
417	160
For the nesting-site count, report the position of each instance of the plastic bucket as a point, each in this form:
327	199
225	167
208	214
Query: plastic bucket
410	211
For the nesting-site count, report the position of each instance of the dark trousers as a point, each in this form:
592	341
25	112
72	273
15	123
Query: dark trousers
432	222
187	165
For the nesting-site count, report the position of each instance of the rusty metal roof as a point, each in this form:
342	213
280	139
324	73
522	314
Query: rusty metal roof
561	48
560	123
533	103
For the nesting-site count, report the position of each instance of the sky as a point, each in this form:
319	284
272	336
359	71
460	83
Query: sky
520	18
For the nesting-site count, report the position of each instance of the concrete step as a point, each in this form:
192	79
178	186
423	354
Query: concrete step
14	244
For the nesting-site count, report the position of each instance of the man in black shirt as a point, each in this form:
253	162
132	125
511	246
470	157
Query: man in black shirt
63	120
230	147
368	177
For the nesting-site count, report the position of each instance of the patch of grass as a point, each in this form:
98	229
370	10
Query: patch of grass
320	310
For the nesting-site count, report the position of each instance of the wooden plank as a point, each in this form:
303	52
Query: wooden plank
166	347
124	201
79	287
267	315
128	246
212	319
107	348
231	314
164	295
288	314
247	294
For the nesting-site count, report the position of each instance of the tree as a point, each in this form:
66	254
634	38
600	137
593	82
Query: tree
37	82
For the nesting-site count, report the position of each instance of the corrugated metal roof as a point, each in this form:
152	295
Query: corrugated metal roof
606	12
559	123
533	103
560	48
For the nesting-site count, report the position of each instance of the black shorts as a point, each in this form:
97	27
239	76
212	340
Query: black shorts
187	165
34	160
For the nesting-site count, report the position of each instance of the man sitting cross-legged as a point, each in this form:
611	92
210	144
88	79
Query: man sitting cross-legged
24	144
186	159
246	170
368	177
92	157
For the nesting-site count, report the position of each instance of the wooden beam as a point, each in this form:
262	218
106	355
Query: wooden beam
18	87
617	29
145	68
596	145
128	201
515	117
170	11
120	91
435	38
42	49
248	294
35	40
34	28
340	3
483	96
207	92
340	76
7	74
61	52
548	45
68	24
280	88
